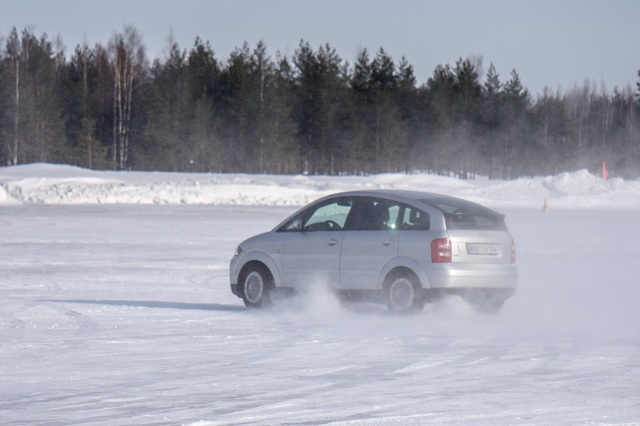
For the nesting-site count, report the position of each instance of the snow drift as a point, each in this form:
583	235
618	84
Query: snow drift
59	184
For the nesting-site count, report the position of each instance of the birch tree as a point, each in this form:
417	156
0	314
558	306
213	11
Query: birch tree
14	57
128	62
34	71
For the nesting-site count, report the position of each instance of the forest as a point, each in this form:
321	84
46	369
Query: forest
111	107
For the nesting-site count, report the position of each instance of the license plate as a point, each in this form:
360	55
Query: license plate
483	249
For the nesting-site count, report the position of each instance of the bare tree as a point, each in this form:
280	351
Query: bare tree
14	54
128	61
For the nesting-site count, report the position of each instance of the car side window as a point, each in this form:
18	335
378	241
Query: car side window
328	216
463	215
414	219
394	215
374	214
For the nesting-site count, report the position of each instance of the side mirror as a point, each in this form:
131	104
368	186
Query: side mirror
296	225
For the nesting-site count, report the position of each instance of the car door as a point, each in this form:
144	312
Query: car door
369	243
311	249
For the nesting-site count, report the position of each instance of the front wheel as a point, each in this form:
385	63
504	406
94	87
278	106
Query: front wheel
256	287
403	296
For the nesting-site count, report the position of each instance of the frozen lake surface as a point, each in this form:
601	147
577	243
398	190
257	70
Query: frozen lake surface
122	314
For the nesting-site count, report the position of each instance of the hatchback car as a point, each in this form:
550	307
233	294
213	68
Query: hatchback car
400	248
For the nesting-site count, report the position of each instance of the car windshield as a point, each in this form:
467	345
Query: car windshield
465	215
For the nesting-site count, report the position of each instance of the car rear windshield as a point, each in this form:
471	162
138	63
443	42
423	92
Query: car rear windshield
465	215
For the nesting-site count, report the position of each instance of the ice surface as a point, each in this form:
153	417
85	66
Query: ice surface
120	313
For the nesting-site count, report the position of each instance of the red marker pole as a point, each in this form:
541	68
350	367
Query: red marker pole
604	170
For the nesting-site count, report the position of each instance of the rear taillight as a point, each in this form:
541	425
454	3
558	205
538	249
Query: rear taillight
513	252
441	250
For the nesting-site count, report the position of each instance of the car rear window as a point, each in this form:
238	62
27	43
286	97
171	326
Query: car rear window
465	215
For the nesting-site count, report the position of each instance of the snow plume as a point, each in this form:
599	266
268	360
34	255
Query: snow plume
318	304
452	308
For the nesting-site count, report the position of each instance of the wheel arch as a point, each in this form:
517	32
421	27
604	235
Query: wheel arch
402	264
259	258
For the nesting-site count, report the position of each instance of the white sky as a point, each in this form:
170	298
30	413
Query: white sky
554	43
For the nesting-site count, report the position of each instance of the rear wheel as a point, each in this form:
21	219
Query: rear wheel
403	296
257	286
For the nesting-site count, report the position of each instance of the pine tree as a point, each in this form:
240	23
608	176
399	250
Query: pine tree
638	88
240	101
82	121
469	91
491	121
514	130
492	83
34	72
332	88
203	80
307	103
263	72
283	155
387	128
358	149
409	114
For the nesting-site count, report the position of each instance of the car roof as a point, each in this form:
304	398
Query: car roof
408	196
399	194
404	196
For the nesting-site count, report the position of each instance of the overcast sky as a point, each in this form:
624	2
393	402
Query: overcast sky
553	43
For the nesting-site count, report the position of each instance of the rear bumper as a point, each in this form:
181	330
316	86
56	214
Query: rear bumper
433	294
474	276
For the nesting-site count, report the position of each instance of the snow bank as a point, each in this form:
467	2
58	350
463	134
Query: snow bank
59	184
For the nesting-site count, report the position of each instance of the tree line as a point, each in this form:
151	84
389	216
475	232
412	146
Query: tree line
109	107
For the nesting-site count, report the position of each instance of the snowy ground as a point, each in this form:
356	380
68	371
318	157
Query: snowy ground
116	310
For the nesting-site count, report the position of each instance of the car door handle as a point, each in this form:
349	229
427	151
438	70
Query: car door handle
333	242
387	242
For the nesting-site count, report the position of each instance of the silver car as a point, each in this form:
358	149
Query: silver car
400	248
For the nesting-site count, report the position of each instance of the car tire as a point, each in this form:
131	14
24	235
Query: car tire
402	294
257	286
